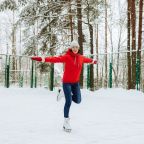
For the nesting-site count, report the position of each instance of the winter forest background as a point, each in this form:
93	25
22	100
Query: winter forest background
110	31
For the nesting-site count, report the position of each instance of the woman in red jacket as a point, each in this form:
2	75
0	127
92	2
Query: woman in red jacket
72	69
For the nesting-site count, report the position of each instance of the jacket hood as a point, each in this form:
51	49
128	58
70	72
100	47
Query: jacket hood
75	56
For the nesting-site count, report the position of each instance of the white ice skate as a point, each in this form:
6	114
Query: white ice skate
66	125
60	94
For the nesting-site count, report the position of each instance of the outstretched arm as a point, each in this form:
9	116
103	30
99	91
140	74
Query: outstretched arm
54	59
89	60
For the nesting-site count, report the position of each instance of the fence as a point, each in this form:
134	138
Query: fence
114	73
21	71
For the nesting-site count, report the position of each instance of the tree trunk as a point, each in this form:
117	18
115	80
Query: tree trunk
128	45
91	51
105	80
97	39
97	47
140	34
91	47
14	63
71	21
80	35
119	46
133	25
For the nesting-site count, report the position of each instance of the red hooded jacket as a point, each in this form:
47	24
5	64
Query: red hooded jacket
73	65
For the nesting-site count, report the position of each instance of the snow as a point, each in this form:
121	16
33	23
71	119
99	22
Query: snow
106	116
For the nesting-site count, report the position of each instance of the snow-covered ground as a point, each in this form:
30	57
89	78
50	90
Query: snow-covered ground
32	116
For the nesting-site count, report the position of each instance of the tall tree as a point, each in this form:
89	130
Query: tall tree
80	33
140	34
133	28
128	43
90	26
14	63
97	43
106	42
121	26
71	20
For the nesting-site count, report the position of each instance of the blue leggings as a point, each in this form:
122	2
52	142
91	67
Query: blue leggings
72	93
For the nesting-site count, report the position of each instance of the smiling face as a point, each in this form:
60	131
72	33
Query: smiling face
75	49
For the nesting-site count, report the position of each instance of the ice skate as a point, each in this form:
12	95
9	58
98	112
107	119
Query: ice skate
66	126
60	94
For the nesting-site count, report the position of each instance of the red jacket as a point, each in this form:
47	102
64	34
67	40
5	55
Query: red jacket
73	65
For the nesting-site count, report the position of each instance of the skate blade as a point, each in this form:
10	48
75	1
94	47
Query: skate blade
67	130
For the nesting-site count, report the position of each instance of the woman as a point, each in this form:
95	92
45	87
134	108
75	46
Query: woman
72	69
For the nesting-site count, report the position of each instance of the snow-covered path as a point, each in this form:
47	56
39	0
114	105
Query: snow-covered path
32	116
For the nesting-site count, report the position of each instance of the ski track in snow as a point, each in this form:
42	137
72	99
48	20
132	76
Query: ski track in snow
106	116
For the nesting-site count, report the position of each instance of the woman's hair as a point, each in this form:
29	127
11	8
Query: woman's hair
77	52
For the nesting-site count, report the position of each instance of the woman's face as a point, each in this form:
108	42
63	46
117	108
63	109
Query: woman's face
75	49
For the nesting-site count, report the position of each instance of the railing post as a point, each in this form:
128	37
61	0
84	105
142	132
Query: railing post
110	75
88	76
32	73
20	73
6	71
138	74
52	77
7	67
35	82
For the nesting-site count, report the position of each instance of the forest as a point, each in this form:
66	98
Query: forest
109	31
